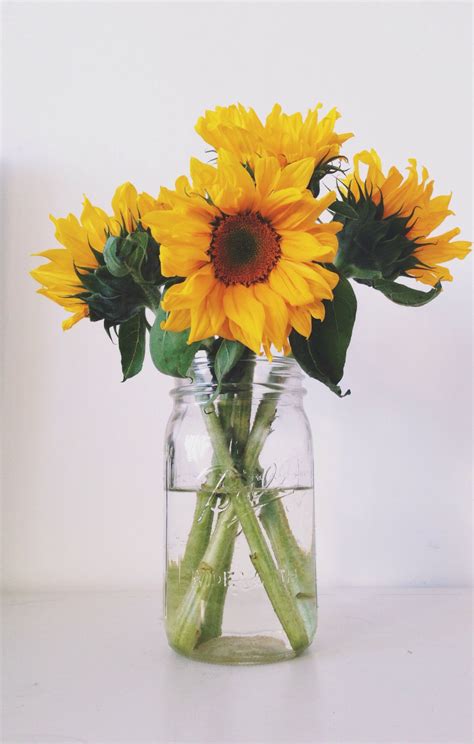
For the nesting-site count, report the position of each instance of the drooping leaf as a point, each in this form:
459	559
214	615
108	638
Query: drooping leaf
323	354
228	355
170	351
131	337
403	295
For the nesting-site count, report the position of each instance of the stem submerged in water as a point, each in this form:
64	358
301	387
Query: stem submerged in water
286	574
212	625
186	629
261	557
234	418
179	575
294	563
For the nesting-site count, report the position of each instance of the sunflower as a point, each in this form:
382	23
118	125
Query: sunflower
288	137
394	219
249	249
80	238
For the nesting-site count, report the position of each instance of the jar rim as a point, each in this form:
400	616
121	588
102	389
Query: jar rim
278	359
270	378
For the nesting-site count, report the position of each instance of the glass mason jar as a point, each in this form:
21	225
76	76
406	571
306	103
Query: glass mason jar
240	555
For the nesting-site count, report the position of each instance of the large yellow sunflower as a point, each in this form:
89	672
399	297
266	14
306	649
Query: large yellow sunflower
247	248
287	137
411	197
58	277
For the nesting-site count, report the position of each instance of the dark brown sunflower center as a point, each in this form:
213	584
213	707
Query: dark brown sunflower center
244	248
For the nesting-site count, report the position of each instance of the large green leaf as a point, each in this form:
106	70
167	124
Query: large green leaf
170	350
402	294
323	354
228	355
131	337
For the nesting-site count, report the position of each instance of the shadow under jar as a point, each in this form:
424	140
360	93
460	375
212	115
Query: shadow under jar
240	553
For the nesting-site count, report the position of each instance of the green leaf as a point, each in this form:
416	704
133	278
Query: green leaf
131	337
228	354
403	295
170	350
323	354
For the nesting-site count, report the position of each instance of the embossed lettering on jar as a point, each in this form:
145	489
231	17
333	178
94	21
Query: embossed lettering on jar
240	555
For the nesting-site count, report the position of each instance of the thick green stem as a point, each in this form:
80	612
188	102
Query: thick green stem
261	428
151	292
234	416
294	563
212	625
200	530
200	614
261	557
186	631
179	575
241	413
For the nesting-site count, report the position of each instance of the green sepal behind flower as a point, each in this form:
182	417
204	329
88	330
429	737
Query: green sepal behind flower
372	246
388	224
111	299
137	254
125	283
126	280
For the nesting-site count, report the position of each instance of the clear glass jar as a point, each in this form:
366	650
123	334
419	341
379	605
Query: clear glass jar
240	553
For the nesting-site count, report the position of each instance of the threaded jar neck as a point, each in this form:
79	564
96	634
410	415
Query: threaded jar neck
253	375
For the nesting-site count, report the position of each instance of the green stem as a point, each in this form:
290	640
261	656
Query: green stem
151	292
209	585
294	563
212	625
200	530
234	417
261	428
188	623
179	575
261	557
242	412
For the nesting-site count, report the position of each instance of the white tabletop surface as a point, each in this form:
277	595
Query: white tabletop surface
388	665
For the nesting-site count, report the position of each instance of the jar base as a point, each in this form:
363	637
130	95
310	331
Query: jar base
241	650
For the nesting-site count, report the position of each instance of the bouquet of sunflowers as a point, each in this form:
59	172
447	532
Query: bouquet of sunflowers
252	254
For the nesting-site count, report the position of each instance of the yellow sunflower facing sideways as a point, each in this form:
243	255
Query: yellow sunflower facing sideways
246	248
288	137
58	277
410	198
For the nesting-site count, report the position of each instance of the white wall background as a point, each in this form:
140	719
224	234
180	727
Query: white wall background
95	94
